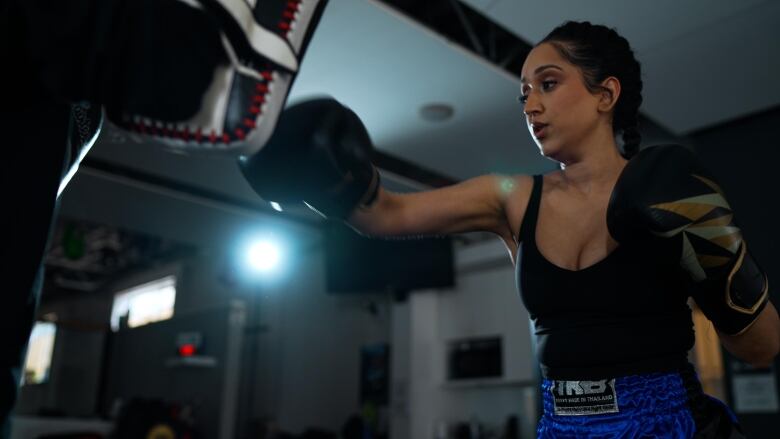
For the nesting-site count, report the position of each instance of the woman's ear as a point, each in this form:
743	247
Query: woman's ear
610	92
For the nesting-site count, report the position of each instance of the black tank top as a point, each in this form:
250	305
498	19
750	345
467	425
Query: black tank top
624	315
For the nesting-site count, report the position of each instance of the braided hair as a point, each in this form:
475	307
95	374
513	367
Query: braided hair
600	52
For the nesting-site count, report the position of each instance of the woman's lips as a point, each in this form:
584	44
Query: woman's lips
540	130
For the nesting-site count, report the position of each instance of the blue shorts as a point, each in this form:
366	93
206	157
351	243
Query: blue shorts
657	405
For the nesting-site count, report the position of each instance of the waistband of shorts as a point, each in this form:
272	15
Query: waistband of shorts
665	364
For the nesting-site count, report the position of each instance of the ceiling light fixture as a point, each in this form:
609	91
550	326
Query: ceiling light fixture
436	112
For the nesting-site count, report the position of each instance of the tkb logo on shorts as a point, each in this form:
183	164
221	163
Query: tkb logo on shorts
574	398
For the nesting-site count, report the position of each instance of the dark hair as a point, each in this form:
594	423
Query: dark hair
600	52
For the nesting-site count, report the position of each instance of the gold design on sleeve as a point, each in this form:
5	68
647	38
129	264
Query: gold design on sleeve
692	211
689	260
730	242
709	261
718	228
724	220
714	186
764	291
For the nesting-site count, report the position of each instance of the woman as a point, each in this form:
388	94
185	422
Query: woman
600	313
601	272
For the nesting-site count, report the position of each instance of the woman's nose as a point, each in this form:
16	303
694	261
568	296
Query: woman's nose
532	104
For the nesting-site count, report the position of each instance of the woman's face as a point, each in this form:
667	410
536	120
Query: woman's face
559	109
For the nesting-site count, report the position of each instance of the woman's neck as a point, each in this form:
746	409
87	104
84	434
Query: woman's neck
597	166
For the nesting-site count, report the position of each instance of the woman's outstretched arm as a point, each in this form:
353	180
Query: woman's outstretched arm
479	204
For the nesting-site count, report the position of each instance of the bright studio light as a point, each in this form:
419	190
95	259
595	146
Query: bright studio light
263	256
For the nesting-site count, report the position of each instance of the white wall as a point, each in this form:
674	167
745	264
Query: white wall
484	302
76	359
71	389
308	350
400	377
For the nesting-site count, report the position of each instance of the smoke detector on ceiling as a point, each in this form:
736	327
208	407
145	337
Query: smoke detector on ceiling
436	112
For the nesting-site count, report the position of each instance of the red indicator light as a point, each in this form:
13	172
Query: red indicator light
187	350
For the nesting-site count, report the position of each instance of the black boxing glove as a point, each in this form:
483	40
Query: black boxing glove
319	154
665	200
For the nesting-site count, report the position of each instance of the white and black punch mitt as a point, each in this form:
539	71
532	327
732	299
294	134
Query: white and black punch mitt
261	43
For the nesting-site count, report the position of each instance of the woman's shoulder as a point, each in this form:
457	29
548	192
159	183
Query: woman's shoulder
517	185
517	192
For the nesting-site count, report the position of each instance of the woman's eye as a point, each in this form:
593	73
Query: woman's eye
547	85
522	99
